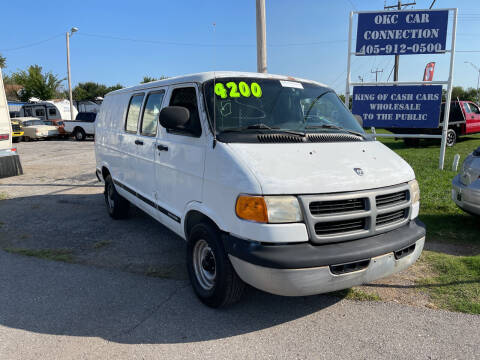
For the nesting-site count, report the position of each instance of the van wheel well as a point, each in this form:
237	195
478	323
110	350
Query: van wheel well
105	172
193	218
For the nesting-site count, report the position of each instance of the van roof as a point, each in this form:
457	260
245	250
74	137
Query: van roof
205	76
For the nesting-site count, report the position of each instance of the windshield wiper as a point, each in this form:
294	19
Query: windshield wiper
331	126
262	126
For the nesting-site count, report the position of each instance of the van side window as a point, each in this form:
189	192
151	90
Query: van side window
133	113
187	97
39	112
151	113
52	112
28	111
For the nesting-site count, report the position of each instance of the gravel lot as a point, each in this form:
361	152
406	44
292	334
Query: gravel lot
110	309
58	204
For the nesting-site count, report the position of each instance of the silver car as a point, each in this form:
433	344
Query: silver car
466	185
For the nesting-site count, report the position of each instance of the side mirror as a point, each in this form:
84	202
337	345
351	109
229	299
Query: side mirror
174	117
359	119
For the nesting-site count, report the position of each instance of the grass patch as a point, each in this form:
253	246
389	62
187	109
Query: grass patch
357	295
456	284
64	255
3	196
101	243
445	221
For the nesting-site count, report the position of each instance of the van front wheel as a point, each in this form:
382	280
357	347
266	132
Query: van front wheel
212	275
117	206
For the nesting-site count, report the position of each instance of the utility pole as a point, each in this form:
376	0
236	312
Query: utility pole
397	57
376	73
261	37
68	35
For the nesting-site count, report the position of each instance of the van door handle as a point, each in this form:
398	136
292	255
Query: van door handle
138	142
162	147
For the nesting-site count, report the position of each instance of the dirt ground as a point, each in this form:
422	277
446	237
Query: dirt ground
58	204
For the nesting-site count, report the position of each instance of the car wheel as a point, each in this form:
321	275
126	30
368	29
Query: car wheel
211	273
26	138
16	139
79	135
451	137
117	205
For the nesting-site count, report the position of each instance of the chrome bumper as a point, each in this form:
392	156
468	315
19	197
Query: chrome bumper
466	197
317	280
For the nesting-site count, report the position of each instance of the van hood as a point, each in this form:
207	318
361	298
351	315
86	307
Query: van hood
310	168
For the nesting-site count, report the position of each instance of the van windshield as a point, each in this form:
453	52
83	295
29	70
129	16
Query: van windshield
254	104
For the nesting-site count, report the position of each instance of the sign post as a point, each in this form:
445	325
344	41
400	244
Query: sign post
402	104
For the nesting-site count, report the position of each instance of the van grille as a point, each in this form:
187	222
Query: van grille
391	199
391	217
337	206
353	215
335	227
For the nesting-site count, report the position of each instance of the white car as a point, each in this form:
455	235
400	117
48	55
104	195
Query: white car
36	129
466	185
263	194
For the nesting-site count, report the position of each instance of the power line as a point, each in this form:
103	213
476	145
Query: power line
32	44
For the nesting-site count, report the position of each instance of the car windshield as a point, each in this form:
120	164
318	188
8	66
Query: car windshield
254	104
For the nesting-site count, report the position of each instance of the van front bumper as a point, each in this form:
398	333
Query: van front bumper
307	269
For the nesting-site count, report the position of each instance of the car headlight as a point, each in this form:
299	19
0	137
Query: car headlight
269	209
414	191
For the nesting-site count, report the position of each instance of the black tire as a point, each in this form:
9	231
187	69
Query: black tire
226	287
117	206
411	142
16	139
79	134
451	137
27	138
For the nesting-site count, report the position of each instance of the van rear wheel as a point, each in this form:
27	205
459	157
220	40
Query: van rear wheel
211	273
117	206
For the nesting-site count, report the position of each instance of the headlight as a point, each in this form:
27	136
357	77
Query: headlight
414	191
269	209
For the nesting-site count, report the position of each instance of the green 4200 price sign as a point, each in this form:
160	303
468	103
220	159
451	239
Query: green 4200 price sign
235	90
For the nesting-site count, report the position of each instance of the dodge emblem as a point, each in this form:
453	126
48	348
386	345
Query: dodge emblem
358	171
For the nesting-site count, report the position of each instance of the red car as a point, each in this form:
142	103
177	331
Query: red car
464	120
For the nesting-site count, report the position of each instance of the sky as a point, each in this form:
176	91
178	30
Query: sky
123	41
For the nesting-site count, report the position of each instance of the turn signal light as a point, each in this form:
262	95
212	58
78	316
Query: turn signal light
252	208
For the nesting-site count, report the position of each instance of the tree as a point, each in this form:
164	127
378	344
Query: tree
3	62
36	84
91	90
147	79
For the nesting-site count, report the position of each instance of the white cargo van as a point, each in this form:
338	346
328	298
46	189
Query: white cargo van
270	179
9	160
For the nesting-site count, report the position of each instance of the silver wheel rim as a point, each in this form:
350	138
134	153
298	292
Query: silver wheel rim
111	202
450	138
204	264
